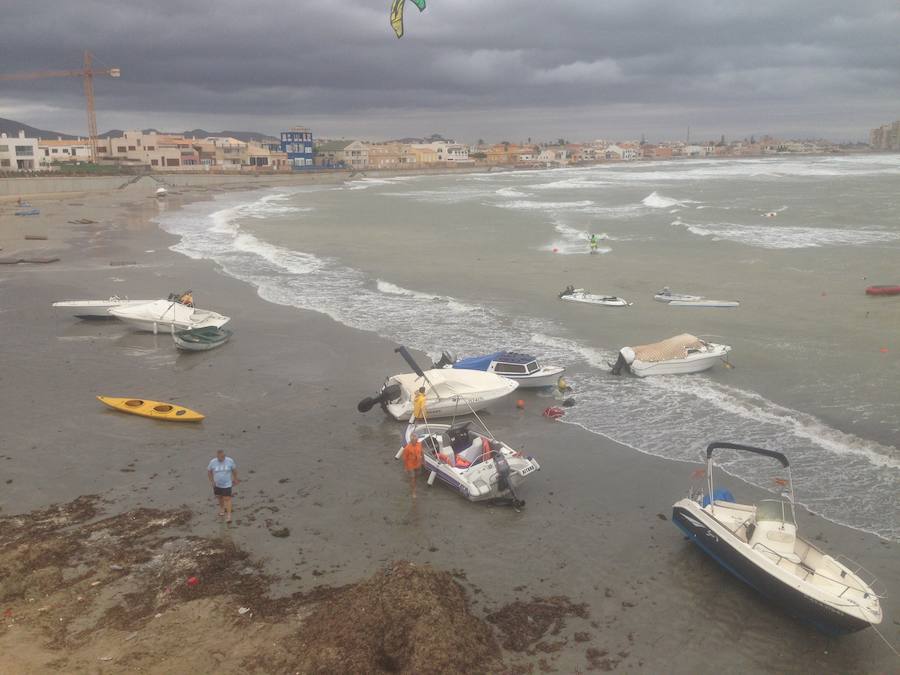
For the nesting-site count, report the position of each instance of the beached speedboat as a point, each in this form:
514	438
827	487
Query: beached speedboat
678	355
759	545
524	369
572	294
95	309
167	315
472	462
201	339
448	391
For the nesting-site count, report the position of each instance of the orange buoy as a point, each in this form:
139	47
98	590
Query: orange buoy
520	404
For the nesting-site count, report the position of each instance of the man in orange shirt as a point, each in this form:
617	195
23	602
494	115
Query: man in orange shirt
412	460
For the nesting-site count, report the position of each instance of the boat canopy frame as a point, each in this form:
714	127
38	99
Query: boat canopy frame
772	454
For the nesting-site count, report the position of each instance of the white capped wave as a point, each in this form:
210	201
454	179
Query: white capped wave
545	206
671	417
511	192
657	201
571	184
785	237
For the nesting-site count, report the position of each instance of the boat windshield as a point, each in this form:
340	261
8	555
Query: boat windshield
509	368
774	510
533	367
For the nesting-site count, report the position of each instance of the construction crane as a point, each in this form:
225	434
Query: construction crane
87	74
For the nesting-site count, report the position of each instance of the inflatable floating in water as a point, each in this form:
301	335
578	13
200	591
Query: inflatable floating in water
883	290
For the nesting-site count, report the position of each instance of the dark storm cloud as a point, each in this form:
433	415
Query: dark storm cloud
490	68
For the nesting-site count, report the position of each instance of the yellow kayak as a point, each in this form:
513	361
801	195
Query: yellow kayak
156	409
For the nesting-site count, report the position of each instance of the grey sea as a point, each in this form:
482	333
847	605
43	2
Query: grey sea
474	262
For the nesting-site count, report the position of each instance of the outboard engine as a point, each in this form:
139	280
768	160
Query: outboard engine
388	393
447	359
626	358
503	471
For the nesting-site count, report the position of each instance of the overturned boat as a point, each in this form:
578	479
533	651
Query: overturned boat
683	300
523	368
678	355
448	391
167	315
472	462
759	545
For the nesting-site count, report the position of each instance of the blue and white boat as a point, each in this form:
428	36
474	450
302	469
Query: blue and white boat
522	368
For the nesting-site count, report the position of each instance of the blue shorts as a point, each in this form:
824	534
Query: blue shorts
222	492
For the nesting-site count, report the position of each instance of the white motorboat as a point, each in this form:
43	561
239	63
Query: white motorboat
523	368
95	309
448	391
678	355
759	544
161	192
471	462
571	294
704	303
666	295
167	315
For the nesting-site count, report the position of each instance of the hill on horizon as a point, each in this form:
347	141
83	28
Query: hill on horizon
12	127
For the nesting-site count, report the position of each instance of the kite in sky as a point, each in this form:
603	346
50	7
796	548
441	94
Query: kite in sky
397	14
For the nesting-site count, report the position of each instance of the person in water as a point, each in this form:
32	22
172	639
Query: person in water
412	461
419	404
594	242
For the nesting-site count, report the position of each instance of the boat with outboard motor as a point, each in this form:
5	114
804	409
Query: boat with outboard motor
95	309
572	294
472	462
678	355
523	368
169	315
759	545
666	295
448	391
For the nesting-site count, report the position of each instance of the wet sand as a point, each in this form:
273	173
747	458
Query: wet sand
281	397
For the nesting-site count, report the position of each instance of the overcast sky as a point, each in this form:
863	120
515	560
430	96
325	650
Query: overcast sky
492	69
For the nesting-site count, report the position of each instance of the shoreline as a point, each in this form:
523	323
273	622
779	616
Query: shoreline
283	395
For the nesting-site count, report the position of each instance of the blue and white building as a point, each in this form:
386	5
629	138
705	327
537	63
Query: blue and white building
298	144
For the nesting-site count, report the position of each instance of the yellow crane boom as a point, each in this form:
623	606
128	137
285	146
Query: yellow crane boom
87	74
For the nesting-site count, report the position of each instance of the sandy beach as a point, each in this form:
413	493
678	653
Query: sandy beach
323	503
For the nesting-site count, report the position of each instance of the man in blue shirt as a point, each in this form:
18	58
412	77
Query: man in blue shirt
222	472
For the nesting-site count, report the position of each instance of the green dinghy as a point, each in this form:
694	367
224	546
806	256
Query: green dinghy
201	339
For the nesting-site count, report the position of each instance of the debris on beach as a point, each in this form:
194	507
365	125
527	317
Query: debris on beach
155	578
524	624
40	260
36	237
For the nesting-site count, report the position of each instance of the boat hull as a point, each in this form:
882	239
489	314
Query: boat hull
94	309
591	299
201	341
452	406
824	617
704	303
547	376
692	364
883	290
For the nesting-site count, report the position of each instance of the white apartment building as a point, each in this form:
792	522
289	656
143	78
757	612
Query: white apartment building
19	153
53	153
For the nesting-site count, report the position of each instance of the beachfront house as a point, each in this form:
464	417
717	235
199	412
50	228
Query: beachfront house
297	143
342	154
19	153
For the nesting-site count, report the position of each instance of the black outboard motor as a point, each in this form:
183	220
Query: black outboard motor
626	358
390	392
503	471
568	291
447	359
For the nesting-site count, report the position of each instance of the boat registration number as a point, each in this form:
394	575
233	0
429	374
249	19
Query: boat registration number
527	470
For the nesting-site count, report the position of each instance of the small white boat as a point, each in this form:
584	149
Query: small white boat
572	294
95	309
759	544
678	355
167	315
666	295
161	192
448	391
472	462
704	303
523	368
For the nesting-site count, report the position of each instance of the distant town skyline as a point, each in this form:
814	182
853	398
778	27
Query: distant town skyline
504	69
